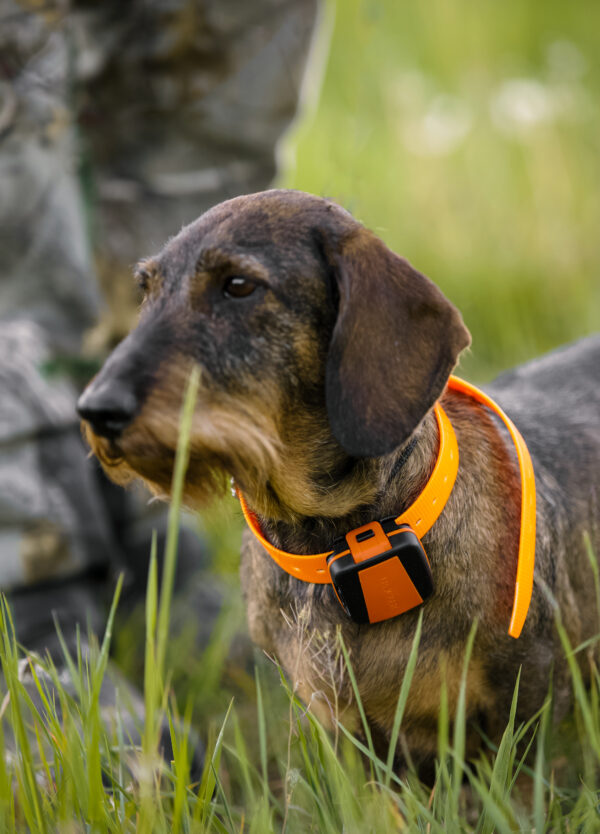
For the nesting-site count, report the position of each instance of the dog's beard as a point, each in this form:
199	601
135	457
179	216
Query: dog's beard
224	442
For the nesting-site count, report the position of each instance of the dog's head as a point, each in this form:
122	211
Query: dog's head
316	345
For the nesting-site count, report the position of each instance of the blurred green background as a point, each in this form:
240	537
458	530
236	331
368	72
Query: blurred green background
466	134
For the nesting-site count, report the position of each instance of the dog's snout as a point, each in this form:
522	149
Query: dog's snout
108	407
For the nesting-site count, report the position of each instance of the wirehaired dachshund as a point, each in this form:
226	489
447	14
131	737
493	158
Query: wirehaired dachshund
322	355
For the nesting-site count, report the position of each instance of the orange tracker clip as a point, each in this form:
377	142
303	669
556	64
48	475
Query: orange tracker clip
381	570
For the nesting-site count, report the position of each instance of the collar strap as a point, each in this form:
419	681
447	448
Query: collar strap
526	557
420	516
376	579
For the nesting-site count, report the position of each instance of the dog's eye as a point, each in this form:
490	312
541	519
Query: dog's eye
238	286
142	278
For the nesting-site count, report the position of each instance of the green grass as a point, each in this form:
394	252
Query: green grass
416	131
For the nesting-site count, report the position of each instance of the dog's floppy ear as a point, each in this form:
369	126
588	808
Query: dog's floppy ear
394	345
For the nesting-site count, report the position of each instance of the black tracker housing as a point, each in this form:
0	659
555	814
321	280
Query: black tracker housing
345	572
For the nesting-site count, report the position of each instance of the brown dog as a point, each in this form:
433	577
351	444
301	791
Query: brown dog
322	354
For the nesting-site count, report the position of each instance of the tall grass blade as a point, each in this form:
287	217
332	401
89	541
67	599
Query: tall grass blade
262	730
151	678
459	739
502	769
402	698
539	787
181	464
581	696
373	759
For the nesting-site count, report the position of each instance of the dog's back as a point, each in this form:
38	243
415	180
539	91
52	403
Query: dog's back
570	371
555	401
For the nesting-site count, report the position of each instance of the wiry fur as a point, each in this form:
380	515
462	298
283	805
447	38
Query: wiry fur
226	436
312	387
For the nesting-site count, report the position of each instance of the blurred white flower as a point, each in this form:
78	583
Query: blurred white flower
520	104
440	129
429	123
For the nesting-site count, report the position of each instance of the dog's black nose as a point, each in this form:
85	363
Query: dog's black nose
107	407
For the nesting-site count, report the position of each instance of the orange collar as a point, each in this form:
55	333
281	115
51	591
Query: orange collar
376	579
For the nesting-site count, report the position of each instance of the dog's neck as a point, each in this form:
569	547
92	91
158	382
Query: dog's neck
351	492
